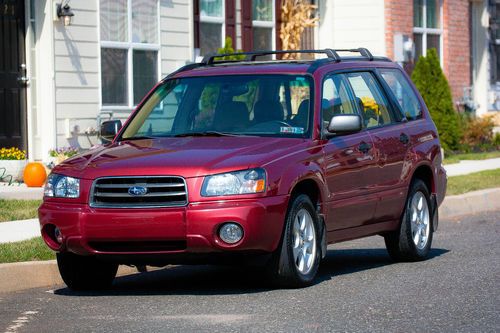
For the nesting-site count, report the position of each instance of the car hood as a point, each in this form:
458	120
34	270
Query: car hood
187	156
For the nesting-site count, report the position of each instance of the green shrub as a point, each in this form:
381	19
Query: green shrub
496	140
433	86
228	49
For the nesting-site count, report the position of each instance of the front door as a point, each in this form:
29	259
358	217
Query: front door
12	75
349	161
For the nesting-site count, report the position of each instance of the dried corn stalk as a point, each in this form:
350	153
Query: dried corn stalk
296	15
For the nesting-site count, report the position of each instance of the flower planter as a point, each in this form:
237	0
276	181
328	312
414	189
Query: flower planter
14	168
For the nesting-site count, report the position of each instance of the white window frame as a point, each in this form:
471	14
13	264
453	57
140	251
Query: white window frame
218	20
130	47
268	24
424	31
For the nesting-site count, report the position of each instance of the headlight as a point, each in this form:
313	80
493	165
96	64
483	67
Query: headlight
240	182
62	187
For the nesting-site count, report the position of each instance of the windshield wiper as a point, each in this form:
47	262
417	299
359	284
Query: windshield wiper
206	133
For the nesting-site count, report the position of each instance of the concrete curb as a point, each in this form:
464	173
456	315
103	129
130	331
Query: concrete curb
470	203
37	274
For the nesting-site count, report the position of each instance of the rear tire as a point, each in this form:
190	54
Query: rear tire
296	261
85	272
413	240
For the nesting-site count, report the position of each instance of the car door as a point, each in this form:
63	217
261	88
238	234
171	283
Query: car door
390	145
348	161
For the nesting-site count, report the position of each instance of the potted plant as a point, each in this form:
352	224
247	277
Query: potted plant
60	154
12	163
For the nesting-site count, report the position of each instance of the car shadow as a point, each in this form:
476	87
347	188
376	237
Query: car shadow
229	280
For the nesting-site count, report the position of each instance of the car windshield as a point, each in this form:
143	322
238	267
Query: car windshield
254	105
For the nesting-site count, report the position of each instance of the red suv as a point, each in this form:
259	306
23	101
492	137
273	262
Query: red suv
255	159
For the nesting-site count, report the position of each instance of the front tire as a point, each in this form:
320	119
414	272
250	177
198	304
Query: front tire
295	263
412	242
85	272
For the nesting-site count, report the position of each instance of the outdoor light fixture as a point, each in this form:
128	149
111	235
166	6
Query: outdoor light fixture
65	12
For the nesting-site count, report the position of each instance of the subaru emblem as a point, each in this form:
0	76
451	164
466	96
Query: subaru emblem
137	190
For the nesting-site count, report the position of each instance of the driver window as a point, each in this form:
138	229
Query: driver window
336	98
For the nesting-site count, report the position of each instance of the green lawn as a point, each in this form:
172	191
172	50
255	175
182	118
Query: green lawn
28	250
12	210
473	182
470	156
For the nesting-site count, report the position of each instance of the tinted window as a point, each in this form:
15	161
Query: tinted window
336	98
371	101
403	92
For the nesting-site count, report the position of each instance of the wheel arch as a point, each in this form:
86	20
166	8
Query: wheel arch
424	173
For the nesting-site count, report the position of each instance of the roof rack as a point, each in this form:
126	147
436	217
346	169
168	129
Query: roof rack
331	54
251	56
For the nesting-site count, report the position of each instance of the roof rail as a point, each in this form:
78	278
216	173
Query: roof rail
250	56
361	50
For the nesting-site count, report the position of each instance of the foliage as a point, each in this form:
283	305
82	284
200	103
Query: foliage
13	210
28	250
228	49
433	86
474	181
63	152
12	153
478	133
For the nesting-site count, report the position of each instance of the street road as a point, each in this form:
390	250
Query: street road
359	289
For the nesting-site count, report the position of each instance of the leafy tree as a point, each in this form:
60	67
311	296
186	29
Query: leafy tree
433	86
228	49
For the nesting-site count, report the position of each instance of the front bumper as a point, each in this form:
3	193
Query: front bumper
176	230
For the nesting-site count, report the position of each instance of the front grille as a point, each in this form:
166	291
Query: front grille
138	246
160	191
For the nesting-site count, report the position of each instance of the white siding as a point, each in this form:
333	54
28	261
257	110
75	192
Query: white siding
77	63
176	34
352	23
76	59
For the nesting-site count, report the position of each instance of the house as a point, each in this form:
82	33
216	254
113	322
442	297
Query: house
67	65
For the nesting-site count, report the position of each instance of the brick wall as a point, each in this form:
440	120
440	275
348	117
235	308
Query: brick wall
457	45
456	37
398	19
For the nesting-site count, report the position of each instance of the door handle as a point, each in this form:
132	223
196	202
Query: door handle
364	147
404	138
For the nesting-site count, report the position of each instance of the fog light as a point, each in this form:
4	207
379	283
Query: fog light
231	233
58	235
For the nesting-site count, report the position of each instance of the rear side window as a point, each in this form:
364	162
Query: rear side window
403	93
371	101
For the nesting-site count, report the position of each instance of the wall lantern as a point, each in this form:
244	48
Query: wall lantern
65	12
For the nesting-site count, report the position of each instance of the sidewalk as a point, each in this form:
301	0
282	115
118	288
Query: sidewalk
19	230
466	167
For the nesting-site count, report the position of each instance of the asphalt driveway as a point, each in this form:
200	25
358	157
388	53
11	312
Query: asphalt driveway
359	289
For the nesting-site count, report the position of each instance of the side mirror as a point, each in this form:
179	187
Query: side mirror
109	129
344	124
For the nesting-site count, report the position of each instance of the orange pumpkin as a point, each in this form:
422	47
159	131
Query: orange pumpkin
34	174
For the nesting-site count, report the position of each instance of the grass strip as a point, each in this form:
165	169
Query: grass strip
474	181
470	156
13	210
27	250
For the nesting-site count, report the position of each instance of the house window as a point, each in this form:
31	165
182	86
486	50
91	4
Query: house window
427	26
211	28
263	24
129	50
